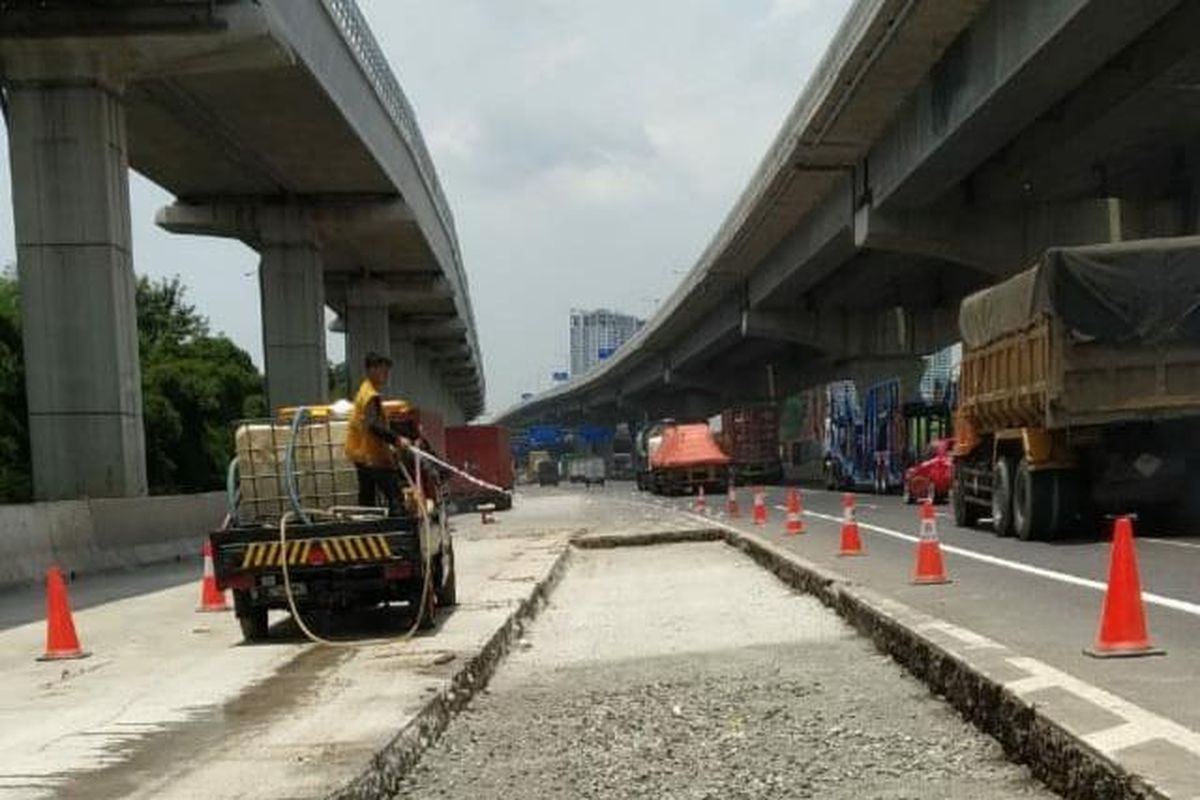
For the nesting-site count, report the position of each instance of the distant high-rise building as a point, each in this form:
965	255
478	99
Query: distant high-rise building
596	335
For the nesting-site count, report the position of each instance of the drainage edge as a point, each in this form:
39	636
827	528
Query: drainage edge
391	764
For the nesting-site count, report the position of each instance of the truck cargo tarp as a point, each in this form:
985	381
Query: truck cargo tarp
688	446
1144	291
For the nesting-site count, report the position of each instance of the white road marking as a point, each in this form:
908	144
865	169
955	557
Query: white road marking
1190	545
1029	569
973	641
1140	725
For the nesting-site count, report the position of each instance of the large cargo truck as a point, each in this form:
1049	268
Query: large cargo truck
646	444
1080	389
750	437
482	451
688	458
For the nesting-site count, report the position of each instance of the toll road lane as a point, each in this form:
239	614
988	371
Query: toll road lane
1040	599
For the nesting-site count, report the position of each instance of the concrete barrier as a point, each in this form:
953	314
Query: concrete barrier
84	536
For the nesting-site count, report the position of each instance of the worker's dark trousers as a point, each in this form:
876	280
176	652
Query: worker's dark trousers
375	481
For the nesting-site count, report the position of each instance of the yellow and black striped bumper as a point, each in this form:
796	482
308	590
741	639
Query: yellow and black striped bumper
338	550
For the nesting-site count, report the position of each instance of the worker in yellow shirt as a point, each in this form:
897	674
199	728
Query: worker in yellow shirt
369	440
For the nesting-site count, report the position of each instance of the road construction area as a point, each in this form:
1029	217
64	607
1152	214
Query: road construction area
628	646
1022	613
687	671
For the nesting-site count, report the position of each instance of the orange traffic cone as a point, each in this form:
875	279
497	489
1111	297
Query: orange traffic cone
1123	620
731	502
61	639
760	507
851	543
795	523
930	568
211	598
701	504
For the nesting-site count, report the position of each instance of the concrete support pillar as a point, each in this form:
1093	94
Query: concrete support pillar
70	174
367	329
405	379
293	310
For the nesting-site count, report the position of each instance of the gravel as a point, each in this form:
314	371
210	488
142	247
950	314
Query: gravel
686	672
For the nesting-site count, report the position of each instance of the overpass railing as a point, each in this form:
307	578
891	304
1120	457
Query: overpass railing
357	33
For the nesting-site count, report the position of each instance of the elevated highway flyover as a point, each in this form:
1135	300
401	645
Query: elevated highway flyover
938	147
275	122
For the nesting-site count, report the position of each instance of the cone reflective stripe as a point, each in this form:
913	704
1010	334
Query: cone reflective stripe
701	503
211	598
1123	618
61	640
795	522
851	542
930	568
731	502
760	507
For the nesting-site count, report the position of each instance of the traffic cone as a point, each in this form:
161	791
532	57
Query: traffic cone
930	568
61	640
731	502
701	506
795	522
1123	619
851	543
211	598
760	507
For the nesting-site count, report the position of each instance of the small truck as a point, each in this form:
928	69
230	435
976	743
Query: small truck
1080	389
342	558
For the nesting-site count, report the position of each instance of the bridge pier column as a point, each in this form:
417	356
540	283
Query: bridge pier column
293	310
406	381
367	329
70	177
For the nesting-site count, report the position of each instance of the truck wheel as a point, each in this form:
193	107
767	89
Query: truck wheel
1002	497
1033	504
966	514
447	591
252	619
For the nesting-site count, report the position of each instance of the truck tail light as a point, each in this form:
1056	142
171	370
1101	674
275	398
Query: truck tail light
397	571
316	555
239	581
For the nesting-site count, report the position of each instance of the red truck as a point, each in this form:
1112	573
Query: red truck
483	451
750	437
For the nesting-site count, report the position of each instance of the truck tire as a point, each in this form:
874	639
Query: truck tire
966	514
253	620
447	591
1002	497
1034	507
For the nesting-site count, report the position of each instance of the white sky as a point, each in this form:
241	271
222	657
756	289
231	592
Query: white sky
589	151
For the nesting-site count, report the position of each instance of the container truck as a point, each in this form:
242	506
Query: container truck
1080	389
482	451
646	444
686	459
750	437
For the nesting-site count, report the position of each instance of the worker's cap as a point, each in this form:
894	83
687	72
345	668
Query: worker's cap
377	360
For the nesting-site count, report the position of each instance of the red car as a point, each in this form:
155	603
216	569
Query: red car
932	475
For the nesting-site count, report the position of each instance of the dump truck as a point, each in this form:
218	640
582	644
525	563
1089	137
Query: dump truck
646	444
688	458
482	451
339	557
1079	394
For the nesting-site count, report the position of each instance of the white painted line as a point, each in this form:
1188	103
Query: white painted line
1189	545
1139	726
973	640
1019	566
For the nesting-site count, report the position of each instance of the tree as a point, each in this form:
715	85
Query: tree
195	386
15	482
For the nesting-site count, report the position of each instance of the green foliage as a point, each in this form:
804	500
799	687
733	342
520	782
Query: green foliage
15	484
194	387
